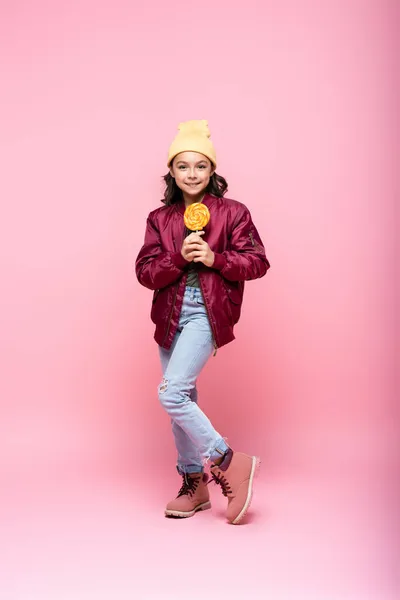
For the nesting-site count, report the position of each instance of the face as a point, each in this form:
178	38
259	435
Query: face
192	172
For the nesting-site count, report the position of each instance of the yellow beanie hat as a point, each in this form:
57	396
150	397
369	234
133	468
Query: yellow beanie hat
193	136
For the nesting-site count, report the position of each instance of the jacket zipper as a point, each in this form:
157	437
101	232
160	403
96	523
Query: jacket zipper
208	314
254	243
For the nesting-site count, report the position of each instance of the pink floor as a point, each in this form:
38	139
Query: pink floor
98	537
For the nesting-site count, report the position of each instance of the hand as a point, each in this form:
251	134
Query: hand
195	249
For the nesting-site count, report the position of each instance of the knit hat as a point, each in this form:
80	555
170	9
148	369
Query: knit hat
193	136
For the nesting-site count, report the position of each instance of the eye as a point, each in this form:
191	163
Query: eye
181	167
202	166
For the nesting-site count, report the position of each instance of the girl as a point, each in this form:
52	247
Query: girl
198	282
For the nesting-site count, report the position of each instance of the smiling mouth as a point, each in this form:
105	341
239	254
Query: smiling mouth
193	184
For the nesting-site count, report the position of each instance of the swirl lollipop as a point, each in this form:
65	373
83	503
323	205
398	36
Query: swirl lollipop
196	216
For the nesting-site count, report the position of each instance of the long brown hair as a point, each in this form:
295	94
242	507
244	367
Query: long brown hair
217	186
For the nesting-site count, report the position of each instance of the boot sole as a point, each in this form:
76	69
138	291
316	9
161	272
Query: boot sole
255	468
185	515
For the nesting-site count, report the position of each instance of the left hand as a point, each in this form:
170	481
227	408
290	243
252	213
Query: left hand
200	251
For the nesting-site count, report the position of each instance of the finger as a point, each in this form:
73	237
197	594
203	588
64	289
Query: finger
199	241
194	243
194	246
188	246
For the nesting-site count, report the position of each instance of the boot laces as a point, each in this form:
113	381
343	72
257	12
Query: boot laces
223	482
189	485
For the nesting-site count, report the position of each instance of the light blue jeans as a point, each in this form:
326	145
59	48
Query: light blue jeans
195	438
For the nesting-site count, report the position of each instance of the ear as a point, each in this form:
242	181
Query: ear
171	172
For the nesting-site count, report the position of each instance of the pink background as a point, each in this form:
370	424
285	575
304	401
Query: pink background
301	99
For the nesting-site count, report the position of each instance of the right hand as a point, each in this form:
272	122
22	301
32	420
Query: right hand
190	244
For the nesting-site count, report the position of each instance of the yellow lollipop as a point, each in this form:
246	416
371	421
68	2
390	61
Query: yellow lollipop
196	216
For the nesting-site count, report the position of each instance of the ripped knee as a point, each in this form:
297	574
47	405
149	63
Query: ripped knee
172	394
162	388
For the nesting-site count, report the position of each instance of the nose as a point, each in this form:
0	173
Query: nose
192	174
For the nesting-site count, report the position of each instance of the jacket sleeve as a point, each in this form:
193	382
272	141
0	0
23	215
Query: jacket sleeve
155	268
246	259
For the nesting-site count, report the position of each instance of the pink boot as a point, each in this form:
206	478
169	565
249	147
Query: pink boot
192	496
236	475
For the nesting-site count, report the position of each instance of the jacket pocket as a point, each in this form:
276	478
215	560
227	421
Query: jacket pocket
154	306
235	297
